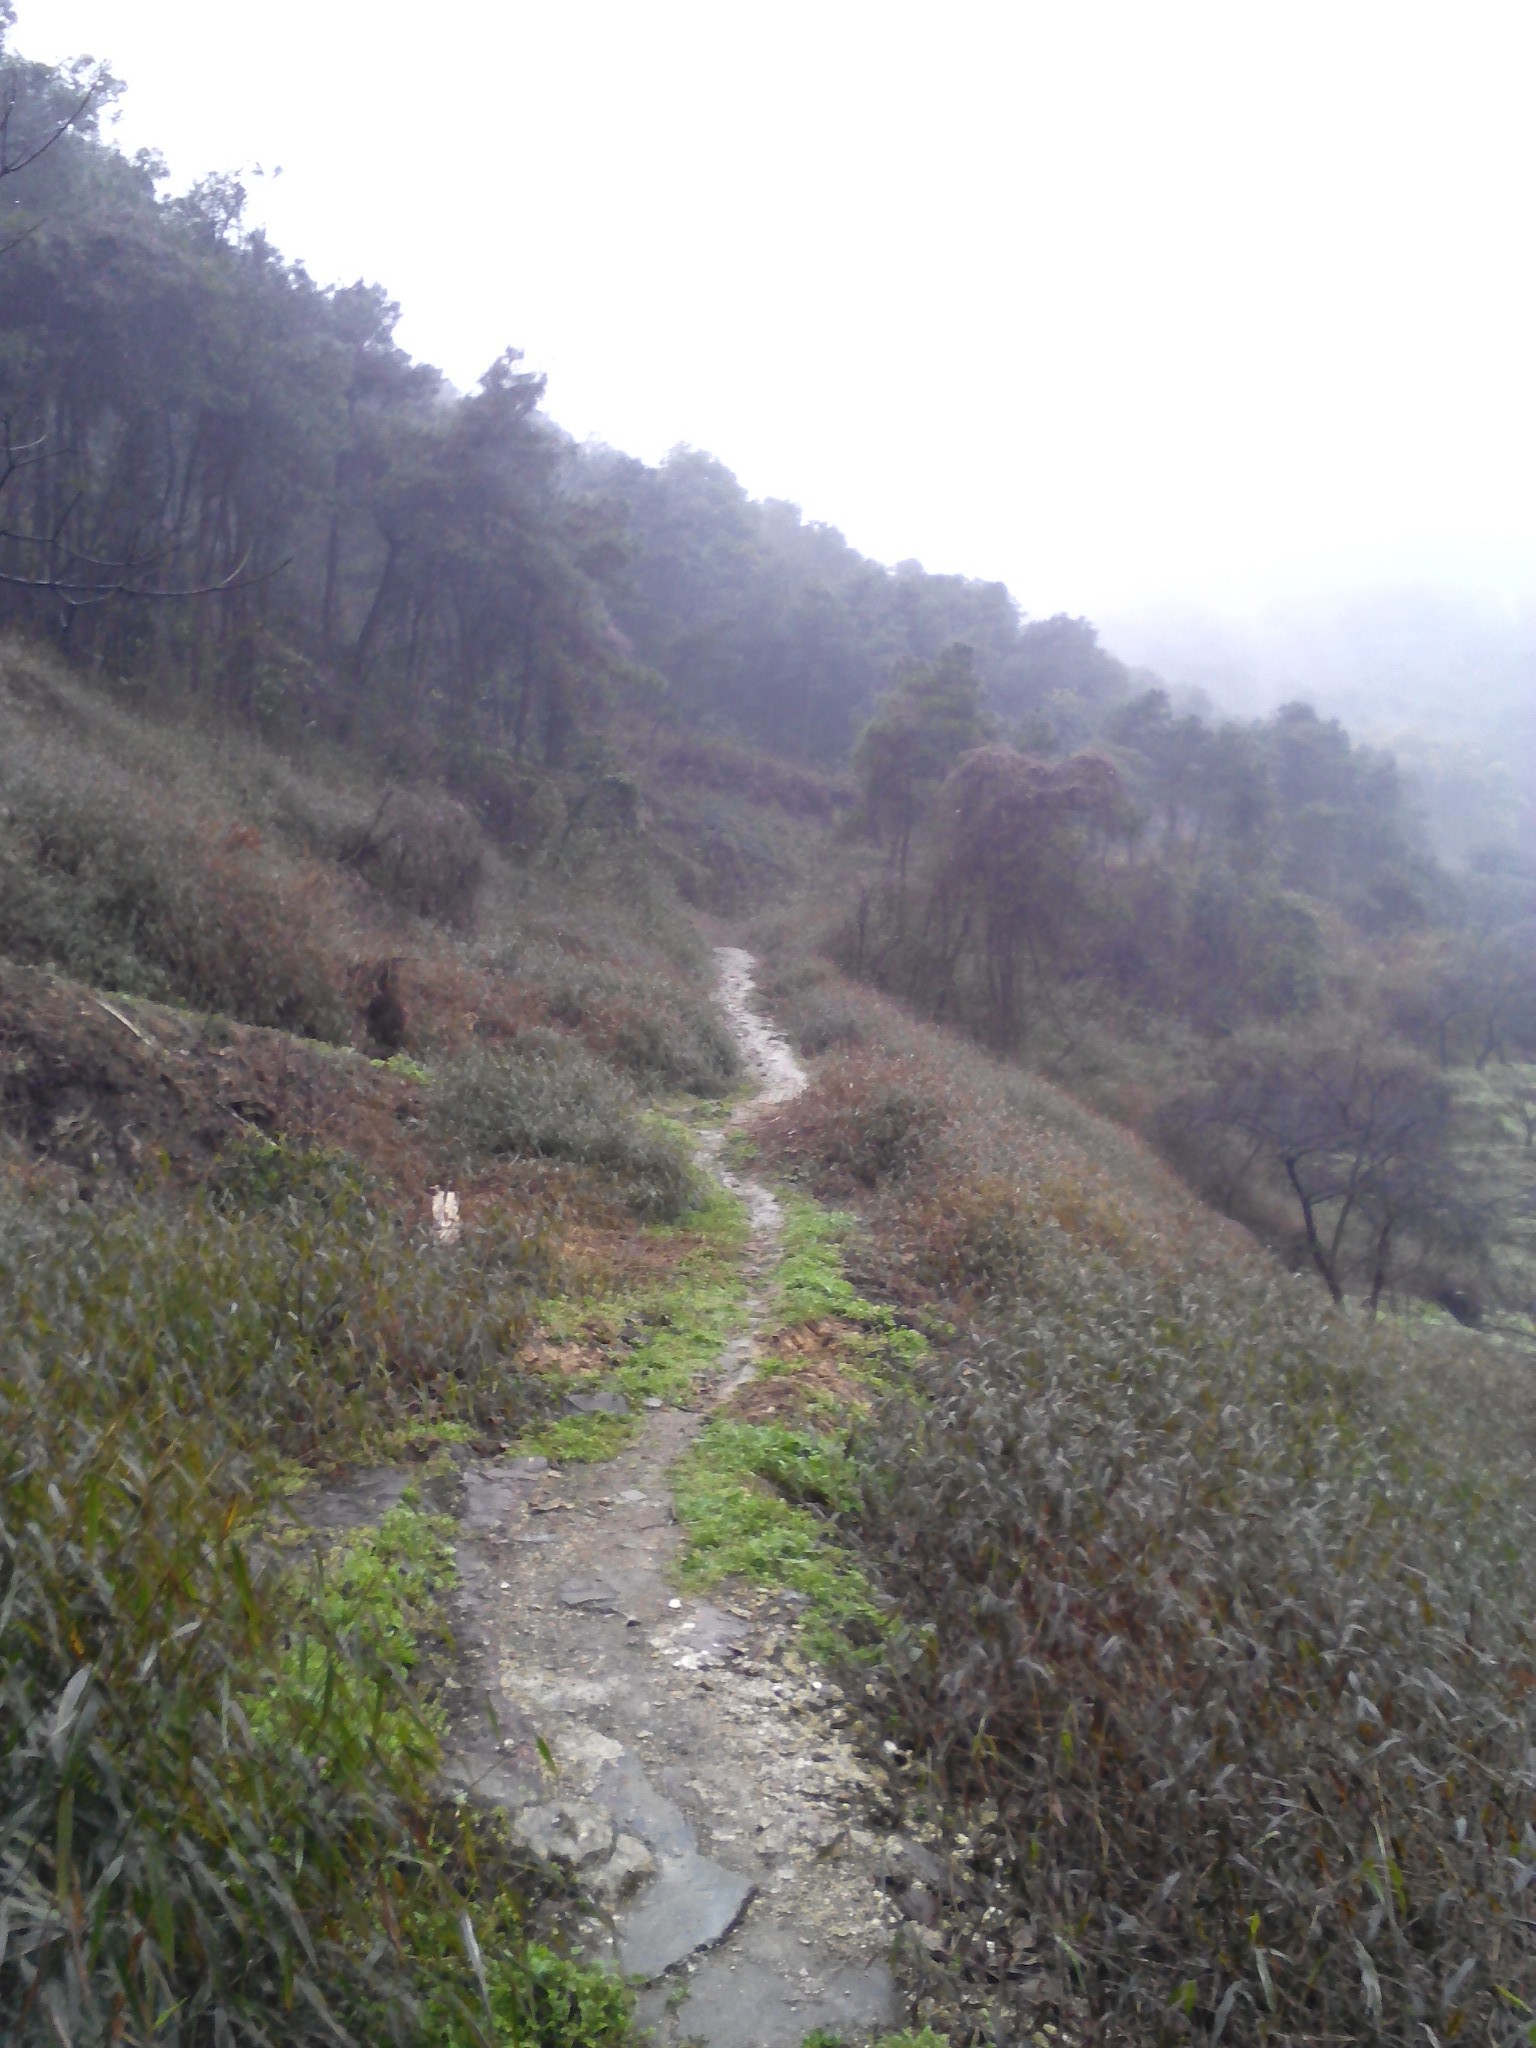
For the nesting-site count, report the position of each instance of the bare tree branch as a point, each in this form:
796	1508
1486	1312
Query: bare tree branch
10	165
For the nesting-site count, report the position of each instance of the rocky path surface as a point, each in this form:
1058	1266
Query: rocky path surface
694	1773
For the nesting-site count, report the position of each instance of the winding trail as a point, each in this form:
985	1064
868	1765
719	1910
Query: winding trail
703	1788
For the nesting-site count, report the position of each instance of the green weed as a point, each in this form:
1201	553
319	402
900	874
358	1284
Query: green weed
810	1284
579	1439
408	1069
665	1337
382	1589
755	1501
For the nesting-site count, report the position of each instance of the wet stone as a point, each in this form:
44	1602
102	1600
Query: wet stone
629	1865
692	1903
565	1831
758	1993
606	1401
594	1594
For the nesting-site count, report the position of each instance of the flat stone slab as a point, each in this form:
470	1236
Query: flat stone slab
769	1989
570	1831
356	1501
628	1794
606	1401
691	1903
596	1594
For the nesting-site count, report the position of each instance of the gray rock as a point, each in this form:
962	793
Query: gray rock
909	1863
629	1865
593	1593
640	1809
759	1992
565	1831
919	1904
606	1401
692	1903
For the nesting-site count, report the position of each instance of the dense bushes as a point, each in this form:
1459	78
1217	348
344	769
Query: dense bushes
99	880
422	852
194	1846
1243	1662
665	1036
301	1322
868	1118
547	1098
1216	1640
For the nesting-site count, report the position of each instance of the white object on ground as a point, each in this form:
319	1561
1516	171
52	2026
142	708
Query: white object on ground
445	1216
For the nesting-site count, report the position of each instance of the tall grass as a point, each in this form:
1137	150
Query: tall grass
1217	1638
194	1848
1242	1659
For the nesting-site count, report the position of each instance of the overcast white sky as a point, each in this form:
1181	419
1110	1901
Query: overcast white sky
1134	303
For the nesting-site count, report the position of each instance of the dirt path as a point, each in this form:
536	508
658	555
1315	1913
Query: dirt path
703	1787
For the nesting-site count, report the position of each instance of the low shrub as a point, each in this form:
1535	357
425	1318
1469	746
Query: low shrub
973	1237
1241	1661
546	1097
301	1326
101	880
172	1870
422	852
256	1175
215	1780
827	1022
665	1037
866	1118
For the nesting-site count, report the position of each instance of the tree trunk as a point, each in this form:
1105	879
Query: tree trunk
1314	1242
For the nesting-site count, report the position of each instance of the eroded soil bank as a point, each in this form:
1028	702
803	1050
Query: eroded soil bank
675	1752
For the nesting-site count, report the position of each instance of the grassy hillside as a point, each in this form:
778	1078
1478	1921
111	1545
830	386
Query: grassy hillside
1194	1612
1214	1640
218	1274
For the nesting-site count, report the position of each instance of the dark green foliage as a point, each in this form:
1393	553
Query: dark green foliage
925	725
169	1871
772	629
546	1097
237	479
253	1175
206	1836
303	1322
1242	1659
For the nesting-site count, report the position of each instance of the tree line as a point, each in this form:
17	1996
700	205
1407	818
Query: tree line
221	478
1335	1036
218	472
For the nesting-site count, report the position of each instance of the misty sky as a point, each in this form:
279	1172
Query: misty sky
1136	306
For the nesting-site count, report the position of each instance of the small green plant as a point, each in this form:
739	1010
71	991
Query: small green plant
578	1439
407	1068
755	1501
380	1589
810	1283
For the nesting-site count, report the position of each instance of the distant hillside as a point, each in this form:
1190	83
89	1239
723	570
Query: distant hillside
1449	684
